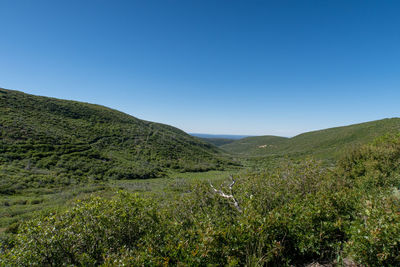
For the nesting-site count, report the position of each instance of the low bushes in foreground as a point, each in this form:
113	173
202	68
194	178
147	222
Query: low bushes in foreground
290	215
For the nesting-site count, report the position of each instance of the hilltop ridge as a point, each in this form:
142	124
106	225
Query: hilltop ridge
324	144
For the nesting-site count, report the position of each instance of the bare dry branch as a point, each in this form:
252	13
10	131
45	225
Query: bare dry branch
231	196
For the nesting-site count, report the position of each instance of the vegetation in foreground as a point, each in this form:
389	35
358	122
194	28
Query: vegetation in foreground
28	203
290	215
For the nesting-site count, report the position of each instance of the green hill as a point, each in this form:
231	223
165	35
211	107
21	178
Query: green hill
218	141
47	142
324	144
254	145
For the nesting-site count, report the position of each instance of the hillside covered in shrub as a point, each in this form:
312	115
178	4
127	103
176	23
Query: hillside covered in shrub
46	141
323	144
293	214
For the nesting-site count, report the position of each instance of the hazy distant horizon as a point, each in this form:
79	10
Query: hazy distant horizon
212	134
235	136
225	136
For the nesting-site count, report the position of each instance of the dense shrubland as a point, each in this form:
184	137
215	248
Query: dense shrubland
295	213
47	142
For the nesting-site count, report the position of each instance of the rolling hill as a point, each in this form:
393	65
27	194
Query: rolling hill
46	141
254	145
323	144
218	139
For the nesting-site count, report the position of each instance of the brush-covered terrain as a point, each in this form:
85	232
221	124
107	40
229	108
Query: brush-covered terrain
323	144
50	142
218	141
73	192
293	214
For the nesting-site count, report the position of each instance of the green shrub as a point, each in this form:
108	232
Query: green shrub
373	166
375	235
293	214
83	235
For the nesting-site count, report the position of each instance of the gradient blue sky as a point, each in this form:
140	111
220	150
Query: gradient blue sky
221	67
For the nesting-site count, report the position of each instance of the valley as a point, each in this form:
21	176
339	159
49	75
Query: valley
302	199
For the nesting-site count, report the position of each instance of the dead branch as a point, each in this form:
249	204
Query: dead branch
231	196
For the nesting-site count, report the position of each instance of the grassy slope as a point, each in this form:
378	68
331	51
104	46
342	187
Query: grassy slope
46	141
257	144
324	144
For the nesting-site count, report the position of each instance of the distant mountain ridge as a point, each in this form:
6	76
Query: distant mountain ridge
221	136
48	140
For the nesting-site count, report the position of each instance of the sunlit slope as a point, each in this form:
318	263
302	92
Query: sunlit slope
67	140
328	143
254	145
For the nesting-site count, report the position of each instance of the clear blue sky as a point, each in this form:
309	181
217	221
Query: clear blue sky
225	67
